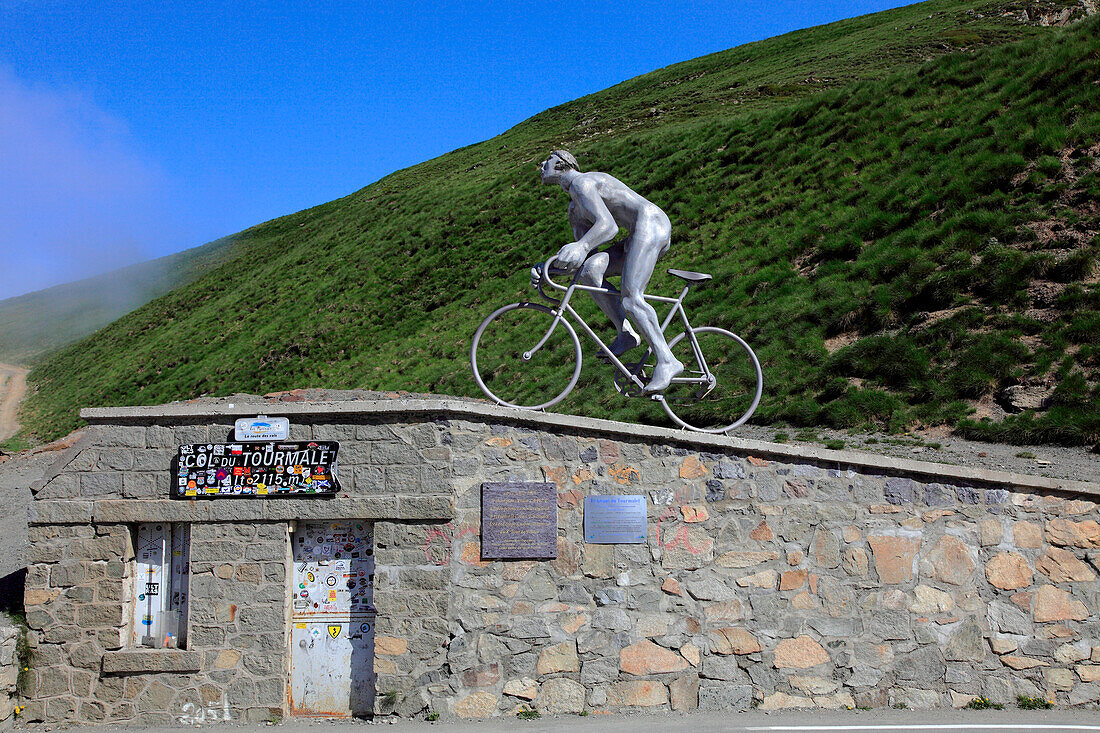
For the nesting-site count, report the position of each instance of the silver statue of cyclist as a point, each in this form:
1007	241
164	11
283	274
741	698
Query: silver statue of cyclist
598	205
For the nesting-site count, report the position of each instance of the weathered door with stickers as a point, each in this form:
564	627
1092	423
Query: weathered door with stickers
332	624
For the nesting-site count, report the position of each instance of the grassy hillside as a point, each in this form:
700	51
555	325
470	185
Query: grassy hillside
899	211
36	323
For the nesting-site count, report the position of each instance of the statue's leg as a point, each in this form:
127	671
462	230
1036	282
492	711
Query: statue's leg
593	273
648	242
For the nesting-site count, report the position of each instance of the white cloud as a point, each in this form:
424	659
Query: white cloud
77	196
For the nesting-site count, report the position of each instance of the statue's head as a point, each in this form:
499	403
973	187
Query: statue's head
558	161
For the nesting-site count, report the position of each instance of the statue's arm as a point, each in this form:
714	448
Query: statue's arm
603	228
577	221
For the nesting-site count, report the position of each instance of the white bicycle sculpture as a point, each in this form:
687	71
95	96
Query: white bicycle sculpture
527	355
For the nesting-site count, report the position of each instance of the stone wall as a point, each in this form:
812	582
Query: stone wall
770	578
236	663
764	584
9	671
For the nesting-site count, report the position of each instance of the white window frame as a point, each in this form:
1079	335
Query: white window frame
160	585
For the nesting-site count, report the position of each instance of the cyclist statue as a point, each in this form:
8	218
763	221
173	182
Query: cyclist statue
598	205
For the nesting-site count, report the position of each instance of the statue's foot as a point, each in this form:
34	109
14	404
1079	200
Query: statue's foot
624	342
662	375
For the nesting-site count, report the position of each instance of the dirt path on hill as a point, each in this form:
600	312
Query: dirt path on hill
13	386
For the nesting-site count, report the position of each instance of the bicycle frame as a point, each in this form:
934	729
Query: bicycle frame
562	307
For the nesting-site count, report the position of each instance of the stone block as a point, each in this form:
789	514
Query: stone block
646	658
559	658
716	696
1008	619
124	436
1055	604
889	625
925	666
723	668
930	600
967	644
1008	571
951	561
1067	533
636	693
113	459
561	695
684	693
144	661
894	557
101	483
139	486
56	512
1085	693
426	507
900	490
710	589
825	549
524	687
67	574
389	453
1062	566
916	698
49	682
730	640
62	486
799	653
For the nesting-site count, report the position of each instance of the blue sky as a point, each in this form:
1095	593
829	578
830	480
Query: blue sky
133	130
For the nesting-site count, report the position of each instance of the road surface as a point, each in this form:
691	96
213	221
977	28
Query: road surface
788	721
13	386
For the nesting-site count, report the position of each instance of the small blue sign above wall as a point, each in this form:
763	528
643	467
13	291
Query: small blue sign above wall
615	520
262	428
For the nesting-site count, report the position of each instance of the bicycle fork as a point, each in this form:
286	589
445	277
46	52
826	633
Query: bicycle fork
559	312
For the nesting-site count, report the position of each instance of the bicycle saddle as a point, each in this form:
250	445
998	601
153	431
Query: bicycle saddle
691	277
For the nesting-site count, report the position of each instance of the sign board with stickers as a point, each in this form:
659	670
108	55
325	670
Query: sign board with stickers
295	468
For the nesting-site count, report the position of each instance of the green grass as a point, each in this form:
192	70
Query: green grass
1025	702
983	703
881	179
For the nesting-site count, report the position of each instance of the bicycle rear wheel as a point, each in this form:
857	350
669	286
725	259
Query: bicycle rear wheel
543	378
726	401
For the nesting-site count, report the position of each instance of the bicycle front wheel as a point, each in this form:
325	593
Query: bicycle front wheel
505	367
725	394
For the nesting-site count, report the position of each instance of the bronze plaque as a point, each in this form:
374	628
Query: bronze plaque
519	519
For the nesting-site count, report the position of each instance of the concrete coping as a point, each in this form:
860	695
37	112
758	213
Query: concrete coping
477	410
228	509
151	661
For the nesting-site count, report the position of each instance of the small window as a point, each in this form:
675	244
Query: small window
160	585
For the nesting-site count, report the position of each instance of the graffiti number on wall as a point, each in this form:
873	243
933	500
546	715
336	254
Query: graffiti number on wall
193	715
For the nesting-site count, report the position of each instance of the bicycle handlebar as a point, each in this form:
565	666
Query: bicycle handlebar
547	279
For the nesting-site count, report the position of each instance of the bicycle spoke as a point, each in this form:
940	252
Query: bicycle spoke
498	356
728	395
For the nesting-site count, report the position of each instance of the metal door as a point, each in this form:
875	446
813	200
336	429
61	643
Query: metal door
332	624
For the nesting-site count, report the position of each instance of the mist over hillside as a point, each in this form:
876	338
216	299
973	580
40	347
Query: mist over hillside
899	211
36	323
